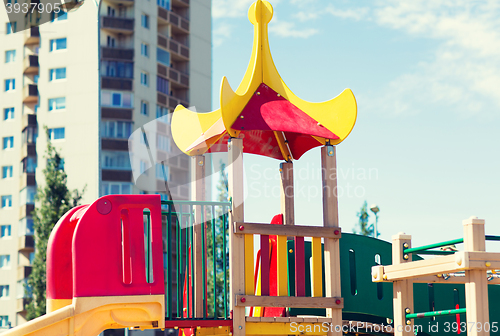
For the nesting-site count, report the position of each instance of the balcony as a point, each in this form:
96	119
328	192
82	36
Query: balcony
117	54
114	144
23	272
71	4
30	65
26	244
30	94
116	175
116	113
26	210
169	101
28	149
176	78
28	120
118	25
113	83
21	305
178	51
180	3
32	36
122	2
179	24
27	180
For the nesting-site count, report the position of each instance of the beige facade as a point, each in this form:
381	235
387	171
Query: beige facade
92	78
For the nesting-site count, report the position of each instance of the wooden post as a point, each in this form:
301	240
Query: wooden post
287	209
198	194
476	290
236	242
402	290
331	219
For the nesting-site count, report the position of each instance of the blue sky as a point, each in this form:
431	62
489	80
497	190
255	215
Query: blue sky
426	76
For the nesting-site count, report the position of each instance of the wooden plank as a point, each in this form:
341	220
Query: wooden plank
282	266
264	265
316	268
236	242
267	319
287	195
253	319
296	319
403	289
300	271
288	301
476	290
249	264
198	194
282	319
282	230
439	265
331	220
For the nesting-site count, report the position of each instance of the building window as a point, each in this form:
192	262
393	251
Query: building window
8	142
111	11
117	69
162	172
116	160
57	103
28	165
163	3
5	231
32	257
26	227
117	129
162	114
10	56
27	196
144	108
162	85
8	113
111	41
143	167
10	84
116	99
116	188
145	21
4	292
163	143
56	133
144	78
6	172
4	321
61	15
163	56
58	44
145	49
11	27
56	74
6	201
5	261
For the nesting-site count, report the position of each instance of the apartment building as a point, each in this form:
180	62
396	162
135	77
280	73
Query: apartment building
91	77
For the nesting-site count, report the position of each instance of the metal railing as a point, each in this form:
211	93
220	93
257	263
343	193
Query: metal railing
179	262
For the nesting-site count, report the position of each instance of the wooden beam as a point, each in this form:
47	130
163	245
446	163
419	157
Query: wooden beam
331	220
476	290
402	289
287	195
288	301
198	194
282	230
236	242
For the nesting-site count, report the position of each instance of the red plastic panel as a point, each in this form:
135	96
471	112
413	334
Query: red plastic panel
59	256
273	273
107	262
264	270
300	270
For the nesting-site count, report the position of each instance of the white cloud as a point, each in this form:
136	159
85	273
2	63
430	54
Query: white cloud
355	14
305	16
288	29
221	33
463	74
230	8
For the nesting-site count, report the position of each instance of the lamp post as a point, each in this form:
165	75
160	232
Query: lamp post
375	209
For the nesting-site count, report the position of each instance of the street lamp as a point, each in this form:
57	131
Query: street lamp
375	209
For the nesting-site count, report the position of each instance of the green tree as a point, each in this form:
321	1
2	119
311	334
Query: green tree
53	201
362	227
217	254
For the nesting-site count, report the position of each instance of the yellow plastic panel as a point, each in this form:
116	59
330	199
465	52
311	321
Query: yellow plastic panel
316	265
